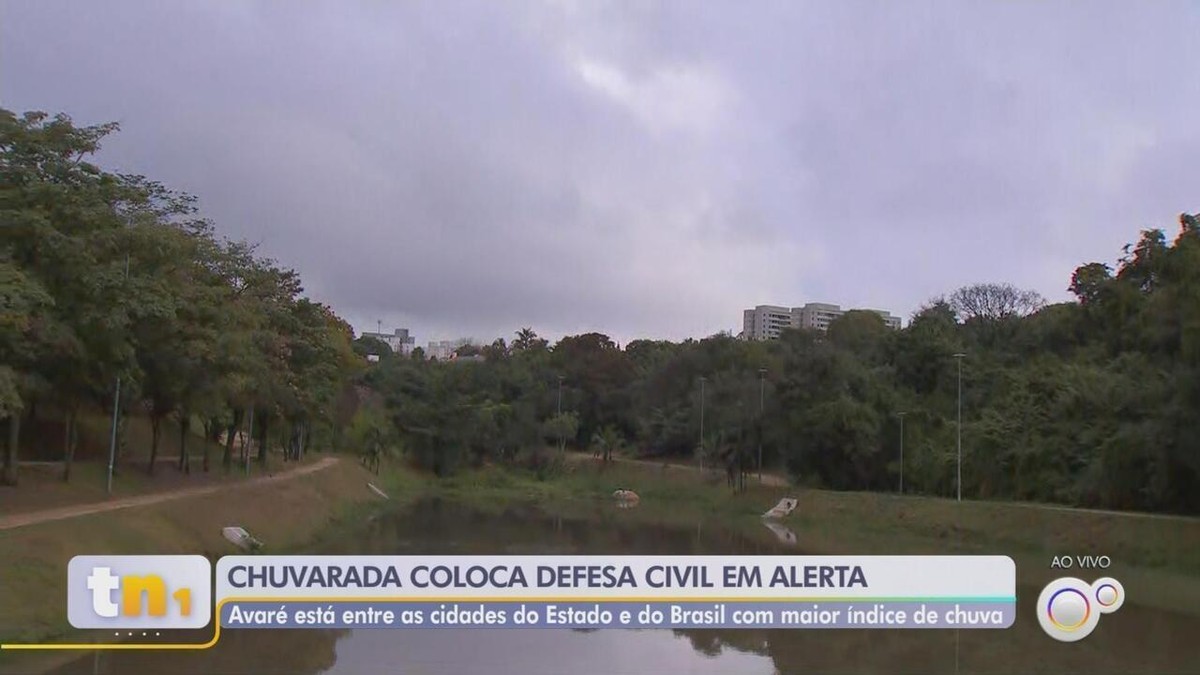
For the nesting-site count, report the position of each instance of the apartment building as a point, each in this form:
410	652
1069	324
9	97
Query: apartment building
442	350
399	341
765	322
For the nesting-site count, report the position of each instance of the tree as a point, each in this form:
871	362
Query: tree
993	302
528	340
367	345
561	429
859	331
1088	282
24	303
605	442
106	275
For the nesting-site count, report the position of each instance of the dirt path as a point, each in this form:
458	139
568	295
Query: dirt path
62	513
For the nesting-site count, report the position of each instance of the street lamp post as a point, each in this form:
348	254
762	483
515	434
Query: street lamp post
762	388
702	381
560	381
249	439
112	443
959	357
901	416
560	433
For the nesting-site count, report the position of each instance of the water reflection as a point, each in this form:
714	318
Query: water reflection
1134	639
782	533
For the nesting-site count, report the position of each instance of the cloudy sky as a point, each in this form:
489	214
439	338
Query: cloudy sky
640	169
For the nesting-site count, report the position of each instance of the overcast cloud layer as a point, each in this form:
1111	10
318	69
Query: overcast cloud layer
645	170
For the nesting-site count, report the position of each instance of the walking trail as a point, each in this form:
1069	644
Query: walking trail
62	513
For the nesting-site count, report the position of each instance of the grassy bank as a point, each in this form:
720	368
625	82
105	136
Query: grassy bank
1158	560
286	515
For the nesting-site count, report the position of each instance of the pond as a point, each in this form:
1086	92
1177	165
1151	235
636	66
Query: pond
1135	639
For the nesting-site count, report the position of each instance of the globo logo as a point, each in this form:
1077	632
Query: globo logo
1069	609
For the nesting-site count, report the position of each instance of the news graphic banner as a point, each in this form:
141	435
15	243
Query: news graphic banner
615	592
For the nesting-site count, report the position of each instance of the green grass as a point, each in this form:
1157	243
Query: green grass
1158	560
289	516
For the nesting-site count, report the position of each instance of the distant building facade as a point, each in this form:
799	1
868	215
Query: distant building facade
442	350
399	340
766	322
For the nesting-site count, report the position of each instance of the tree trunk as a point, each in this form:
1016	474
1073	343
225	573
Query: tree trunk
185	424
247	443
209	425
11	451
262	449
70	437
230	434
155	429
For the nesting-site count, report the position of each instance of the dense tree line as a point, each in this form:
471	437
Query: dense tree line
1094	402
106	276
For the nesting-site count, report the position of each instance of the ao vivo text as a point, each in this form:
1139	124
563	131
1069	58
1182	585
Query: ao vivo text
1083	562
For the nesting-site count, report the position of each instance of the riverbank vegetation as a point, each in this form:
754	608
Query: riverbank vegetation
1157	555
1085	403
289	516
115	289
111	278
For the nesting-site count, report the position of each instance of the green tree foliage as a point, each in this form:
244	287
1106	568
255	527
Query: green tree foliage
561	429
605	442
373	437
104	275
1089	403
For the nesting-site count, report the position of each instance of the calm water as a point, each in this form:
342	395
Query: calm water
1134	639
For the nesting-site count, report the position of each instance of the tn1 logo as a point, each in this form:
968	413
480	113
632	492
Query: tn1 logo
131	590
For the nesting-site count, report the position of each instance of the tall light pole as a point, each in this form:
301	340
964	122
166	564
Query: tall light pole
560	431
112	443
702	381
762	388
901	416
250	438
959	357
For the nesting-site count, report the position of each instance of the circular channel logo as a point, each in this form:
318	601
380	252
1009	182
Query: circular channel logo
1069	608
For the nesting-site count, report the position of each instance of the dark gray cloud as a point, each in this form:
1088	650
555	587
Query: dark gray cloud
645	169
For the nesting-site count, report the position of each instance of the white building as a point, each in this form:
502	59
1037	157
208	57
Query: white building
815	315
399	341
765	322
890	320
442	350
